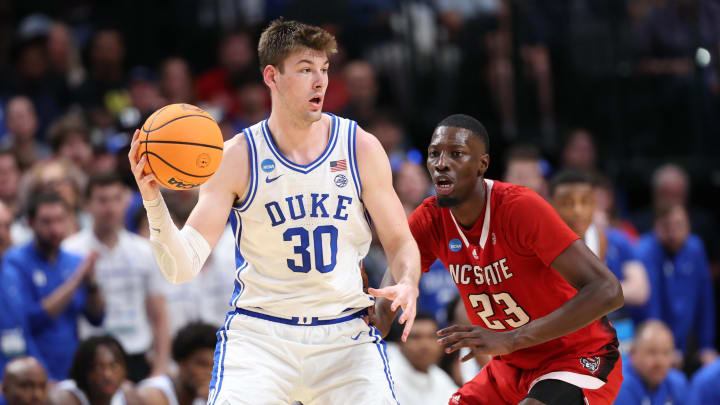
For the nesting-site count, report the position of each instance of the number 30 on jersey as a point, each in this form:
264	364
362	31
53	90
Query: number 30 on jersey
324	247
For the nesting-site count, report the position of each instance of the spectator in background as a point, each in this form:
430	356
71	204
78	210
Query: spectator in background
649	378
103	93
176	82
145	94
253	99
237	60
6	219
572	194
681	292
411	185
671	186
25	382
97	376
22	136
60	177
69	139
579	152
32	70
389	131
128	278
64	56
15	337
193	350
9	181
704	388
362	89
54	286
524	167
607	210
414	366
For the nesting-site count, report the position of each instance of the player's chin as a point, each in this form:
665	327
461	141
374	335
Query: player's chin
314	114
447	200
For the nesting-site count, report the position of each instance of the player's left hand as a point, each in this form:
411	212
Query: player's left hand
402	296
478	340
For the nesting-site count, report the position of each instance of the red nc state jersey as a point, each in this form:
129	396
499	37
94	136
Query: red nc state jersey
502	267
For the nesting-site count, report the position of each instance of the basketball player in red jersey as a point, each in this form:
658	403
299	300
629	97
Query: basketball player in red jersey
536	295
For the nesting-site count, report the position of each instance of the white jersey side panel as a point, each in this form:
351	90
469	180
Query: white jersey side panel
301	230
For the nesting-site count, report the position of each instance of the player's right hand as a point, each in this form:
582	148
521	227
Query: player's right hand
402	296
149	187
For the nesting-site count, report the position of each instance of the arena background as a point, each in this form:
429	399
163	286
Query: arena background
641	77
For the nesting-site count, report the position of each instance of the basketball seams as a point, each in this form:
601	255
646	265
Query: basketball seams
147	134
175	119
173	167
183	143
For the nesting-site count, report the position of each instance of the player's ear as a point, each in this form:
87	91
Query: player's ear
484	164
269	76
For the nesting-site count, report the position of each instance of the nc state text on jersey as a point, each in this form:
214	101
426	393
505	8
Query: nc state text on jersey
492	274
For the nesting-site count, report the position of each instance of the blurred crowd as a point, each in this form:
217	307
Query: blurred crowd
606	109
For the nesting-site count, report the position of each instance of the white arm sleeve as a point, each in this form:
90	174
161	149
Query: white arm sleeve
179	254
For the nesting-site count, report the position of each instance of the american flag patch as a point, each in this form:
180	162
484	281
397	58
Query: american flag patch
338	165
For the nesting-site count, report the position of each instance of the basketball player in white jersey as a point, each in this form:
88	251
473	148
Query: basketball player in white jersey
300	189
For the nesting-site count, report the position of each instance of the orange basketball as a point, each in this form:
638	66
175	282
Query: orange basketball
183	144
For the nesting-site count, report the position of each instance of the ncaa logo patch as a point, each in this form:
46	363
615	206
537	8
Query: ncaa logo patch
591	363
267	165
340	180
455	245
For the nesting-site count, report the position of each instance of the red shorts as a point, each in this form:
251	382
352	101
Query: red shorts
501	383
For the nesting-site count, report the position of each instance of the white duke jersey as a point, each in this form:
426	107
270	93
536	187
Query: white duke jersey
301	230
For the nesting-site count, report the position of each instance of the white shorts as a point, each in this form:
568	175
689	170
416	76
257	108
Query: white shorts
265	360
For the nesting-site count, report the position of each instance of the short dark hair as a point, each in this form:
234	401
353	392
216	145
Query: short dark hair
36	200
84	358
569	177
425	316
100	180
523	152
64	127
282	37
191	337
469	123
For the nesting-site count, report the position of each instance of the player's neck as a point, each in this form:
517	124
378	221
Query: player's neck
468	212
295	138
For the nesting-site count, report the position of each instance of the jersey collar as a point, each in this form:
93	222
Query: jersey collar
486	221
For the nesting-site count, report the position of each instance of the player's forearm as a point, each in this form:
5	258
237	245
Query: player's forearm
404	263
594	300
159	321
179	254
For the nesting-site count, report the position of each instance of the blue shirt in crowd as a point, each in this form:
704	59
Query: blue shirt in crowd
27	273
437	289
705	386
633	391
15	338
681	292
618	252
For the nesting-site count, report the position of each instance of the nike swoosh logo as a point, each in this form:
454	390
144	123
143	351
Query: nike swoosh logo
269	180
356	336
